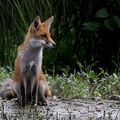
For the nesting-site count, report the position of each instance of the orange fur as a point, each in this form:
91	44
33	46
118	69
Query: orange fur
28	77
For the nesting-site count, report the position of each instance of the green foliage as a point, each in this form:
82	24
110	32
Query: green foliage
82	33
102	13
117	20
5	73
87	84
91	26
84	84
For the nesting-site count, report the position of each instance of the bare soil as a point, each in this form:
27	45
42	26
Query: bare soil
63	109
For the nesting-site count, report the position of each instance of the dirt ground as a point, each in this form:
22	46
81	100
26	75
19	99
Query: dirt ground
62	109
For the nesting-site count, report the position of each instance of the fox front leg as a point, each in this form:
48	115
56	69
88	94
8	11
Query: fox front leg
19	89
42	99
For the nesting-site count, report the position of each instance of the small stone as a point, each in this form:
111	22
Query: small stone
55	97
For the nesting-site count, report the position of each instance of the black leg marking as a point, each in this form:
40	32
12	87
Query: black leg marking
23	97
34	93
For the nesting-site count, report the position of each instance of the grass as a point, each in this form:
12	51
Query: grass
81	84
85	84
5	73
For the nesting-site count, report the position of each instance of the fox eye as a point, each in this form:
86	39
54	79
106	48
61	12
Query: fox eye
43	35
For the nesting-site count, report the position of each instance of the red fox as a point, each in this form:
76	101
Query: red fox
29	82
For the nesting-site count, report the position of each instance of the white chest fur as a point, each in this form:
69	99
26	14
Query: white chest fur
32	59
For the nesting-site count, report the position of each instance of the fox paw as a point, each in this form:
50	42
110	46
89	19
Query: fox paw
42	103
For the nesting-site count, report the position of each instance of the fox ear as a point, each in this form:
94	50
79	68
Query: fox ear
37	22
49	21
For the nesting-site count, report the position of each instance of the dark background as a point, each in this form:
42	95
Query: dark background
87	32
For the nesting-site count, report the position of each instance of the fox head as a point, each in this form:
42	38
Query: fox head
40	32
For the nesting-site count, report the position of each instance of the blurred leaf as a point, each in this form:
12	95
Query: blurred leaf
109	23
102	13
117	20
92	26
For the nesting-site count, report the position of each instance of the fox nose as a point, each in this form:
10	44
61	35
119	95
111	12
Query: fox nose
50	44
53	43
